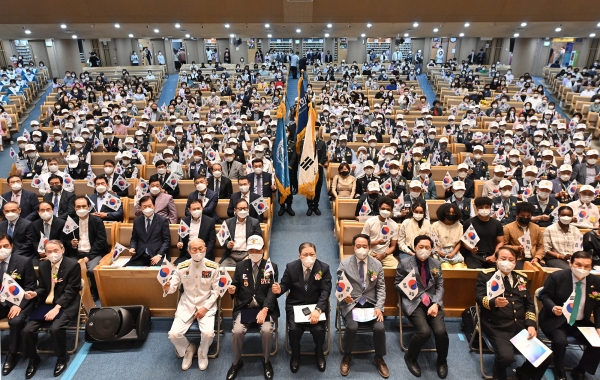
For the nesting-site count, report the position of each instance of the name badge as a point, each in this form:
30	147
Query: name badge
206	274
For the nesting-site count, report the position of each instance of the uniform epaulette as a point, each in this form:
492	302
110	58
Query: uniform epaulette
520	273
184	264
210	264
489	270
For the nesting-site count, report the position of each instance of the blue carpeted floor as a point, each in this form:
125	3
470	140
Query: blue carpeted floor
155	358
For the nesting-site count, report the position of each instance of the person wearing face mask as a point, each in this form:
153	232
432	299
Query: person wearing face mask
529	180
164	204
561	184
383	233
411	167
19	229
371	196
578	156
491	187
201	227
365	275
241	227
490	233
17	314
58	298
62	201
343	185
220	184
585	212
448	229
416	223
262	182
80	150
150	239
460	199
246	194
533	252
207	196
544	205
363	181
88	242
426	310
254	302
557	325
27	200
48	225
589	171
99	197
504	316
428	184
35	164
463	176
110	142
199	278
231	168
506	201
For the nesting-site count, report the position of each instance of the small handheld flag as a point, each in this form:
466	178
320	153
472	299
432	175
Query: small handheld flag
117	251
11	290
37	182
343	288
223	234
386	186
14	154
269	269
447	181
572	190
172	181
365	209
409	285
184	229
70	226
568	306
122	183
495	285
470	237
165	272
112	201
42	243
224	281
68	183
260	205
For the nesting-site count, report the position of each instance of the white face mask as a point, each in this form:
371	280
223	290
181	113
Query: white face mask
497	178
580	274
229	159
361	253
255	257
459	194
565	220
368	171
217	174
201	187
462	175
149	211
197	256
308	261
506	193
385	213
11	216
168	160
484	212
54	257
415	194
565	177
196	213
477	156
4	253
418	217
101	189
258	171
161	171
514	159
543	195
423	254
82	213
424	175
154	190
506	266
244	188
242	214
592	161
16	186
586	198
393	171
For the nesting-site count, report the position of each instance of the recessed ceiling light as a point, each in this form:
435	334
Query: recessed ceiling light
558	29
369	25
329	25
177	26
227	25
155	30
405	34
269	35
63	26
267	25
435	30
415	24
461	35
467	24
516	34
131	36
363	35
117	26
74	36
593	35
598	25
326	35
298	30
187	36
28	31
523	24
232	35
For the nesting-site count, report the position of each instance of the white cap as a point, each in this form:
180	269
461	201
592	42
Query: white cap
79	139
145	117
208	136
425	166
167	151
172	117
347	120
419	141
232	140
34	122
139	133
415	183
394	141
417	150
397	163
459	185
463	166
372	137
451	117
197	149
228	151
443	140
178	130
404	134
55	131
126	153
343	137
565	168
591	152
108	130
128	140
545	184
531	168
499	169
368	164
513	152
29	147
259	148
400	116
84	130
356	117
72	161
37	133
586	187
21	138
538	133
478	147
504	183
218	116
547	152
171	138
509	141
373	186
178	121
579	143
545	143
374	124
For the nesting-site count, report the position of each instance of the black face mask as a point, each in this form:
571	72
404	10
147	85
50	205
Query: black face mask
344	174
373	196
451	217
56	188
524	221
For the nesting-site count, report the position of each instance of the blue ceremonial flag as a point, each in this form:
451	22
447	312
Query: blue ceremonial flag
301	112
280	161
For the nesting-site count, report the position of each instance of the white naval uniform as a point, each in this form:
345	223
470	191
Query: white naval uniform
200	289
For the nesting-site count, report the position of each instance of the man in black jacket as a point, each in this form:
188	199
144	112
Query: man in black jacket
21	270
321	156
220	184
579	292
151	238
51	227
202	227
19	229
58	301
254	302
308	281
62	201
27	201
245	193
236	249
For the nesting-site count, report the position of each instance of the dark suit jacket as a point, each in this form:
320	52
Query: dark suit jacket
550	207
66	206
579	172
557	289
318	290
469	187
96	234
115	189
157	239
206	233
56	233
172	192
261	290
113	216
252	228
235	197
210	209
66	292
225	189
29	204
267	181
22	266
23	238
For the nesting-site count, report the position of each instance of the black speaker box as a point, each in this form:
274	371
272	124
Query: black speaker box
118	324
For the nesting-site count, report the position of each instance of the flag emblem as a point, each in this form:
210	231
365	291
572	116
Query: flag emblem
363	208
527	192
211	155
112	202
447	180
412	284
173	182
121	183
582	214
341	286
261	206
385	230
143	185
570	307
14	290
164	272
495	285
387	186
223	233
68	180
37	181
222	281
472	235
495	191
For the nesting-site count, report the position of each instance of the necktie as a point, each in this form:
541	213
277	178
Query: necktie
254	272
217	186
11	228
573	318
55	204
2	269
15	198
259	185
425	299
361	273
47	230
306	276
147	224
50	298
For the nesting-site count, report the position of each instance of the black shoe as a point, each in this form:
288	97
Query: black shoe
309	212
578	374
290	211
32	367
560	373
442	370
268	370
281	211
294	364
233	371
317	211
61	365
9	364
294	191
413	366
321	363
